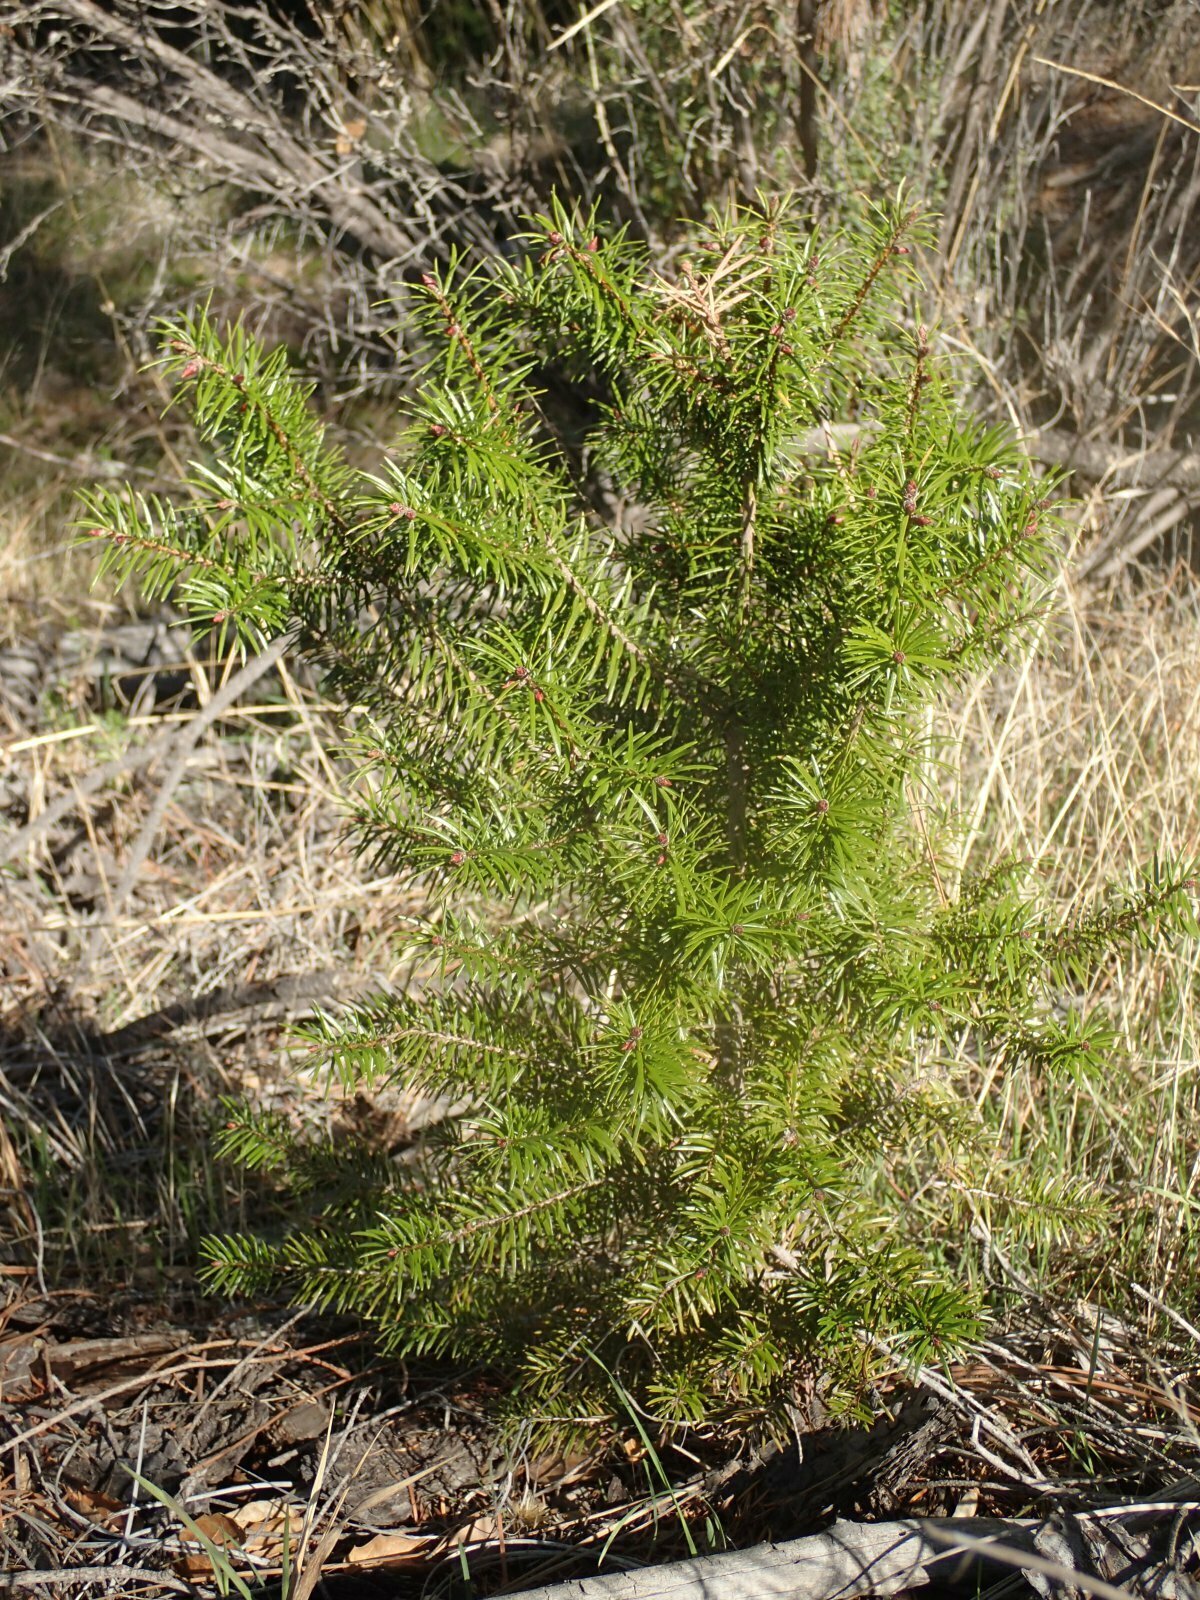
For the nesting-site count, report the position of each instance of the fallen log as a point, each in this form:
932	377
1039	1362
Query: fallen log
850	1558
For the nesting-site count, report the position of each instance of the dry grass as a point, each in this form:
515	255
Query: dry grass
1081	757
249	909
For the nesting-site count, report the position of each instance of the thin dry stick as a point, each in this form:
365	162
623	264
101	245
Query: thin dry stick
1108	83
580	24
186	739
106	1575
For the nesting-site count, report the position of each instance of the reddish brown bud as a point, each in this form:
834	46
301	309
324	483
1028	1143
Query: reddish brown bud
457	859
436	429
539	695
790	314
662	838
593	244
899	657
554	236
664	783
923	522
239	379
785	349
226	505
428	279
822	807
737	930
901	250
190	371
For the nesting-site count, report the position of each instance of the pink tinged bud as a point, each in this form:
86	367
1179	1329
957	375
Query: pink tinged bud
539	695
226	505
785	350
660	861
190	371
593	244
737	930
457	859
790	314
901	250
554	236
428	279
662	838
899	657
239	379
436	429
822	807
777	330
664	783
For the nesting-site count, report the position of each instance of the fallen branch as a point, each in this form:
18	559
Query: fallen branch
850	1558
